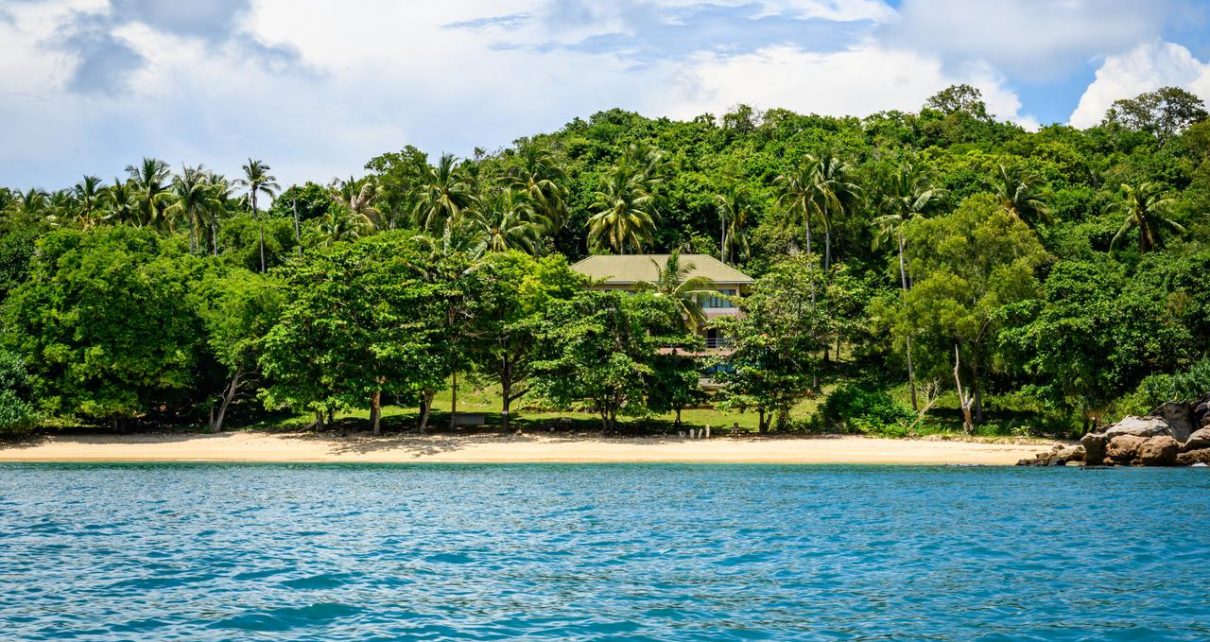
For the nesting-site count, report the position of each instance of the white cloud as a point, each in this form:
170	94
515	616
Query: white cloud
858	81
1145	68
1037	40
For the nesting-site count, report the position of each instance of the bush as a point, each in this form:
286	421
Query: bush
17	414
1157	389
860	408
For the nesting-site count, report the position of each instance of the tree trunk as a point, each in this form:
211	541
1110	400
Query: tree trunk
506	391
426	408
678	417
297	232
453	397
261	227
903	281
760	421
319	420
228	395
376	411
968	424
827	249
214	238
807	227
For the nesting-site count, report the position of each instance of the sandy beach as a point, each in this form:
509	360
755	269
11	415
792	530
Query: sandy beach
306	447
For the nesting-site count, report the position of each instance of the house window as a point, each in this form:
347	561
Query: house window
720	301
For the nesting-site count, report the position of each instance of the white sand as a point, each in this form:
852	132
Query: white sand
301	447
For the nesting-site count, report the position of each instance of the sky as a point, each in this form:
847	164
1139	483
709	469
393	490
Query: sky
315	88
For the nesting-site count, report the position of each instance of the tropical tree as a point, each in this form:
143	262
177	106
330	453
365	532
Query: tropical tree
195	200
258	180
542	180
88	193
443	196
150	184
356	197
674	283
1017	191
906	194
624	210
507	220
736	213
835	195
120	201
797	195
1145	207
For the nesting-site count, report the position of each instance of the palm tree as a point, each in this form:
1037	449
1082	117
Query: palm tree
150	183
835	195
736	212
540	178
60	206
31	204
357	198
507	221
1145	207
798	195
673	281
906	194
1018	193
195	200
88	194
443	197
339	225
120	201
624	210
258	181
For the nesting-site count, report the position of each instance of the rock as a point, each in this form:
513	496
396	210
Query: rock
1058	456
1094	448
1124	449
1179	417
1159	451
1140	427
1198	440
1194	458
1201	413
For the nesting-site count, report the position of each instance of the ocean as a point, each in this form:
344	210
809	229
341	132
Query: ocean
602	552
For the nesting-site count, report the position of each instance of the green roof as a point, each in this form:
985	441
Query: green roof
632	268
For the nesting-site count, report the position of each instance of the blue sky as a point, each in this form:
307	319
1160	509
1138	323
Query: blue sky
316	88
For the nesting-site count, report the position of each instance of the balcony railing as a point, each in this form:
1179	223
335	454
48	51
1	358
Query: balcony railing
716	343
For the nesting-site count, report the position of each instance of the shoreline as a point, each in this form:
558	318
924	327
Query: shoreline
298	448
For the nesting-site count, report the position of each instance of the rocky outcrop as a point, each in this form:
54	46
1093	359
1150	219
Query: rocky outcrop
1159	451
1194	458
1124	450
1058	456
1179	417
1198	440
1095	445
1141	427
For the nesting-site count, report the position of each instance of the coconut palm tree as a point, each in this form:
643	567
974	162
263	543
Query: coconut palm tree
357	198
258	180
906	194
339	225
121	202
797	195
150	178
88	194
735	211
196	201
1018	193
624	210
835	196
443	197
1145	207
506	221
31	204
540	178
673	281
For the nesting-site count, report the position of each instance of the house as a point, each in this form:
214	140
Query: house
627	272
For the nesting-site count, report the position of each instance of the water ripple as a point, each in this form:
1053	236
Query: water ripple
594	553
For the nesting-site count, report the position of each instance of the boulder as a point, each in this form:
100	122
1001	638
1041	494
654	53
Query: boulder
1094	448
1124	449
1198	440
1194	457
1058	456
1140	427
1201	413
1159	451
1179	417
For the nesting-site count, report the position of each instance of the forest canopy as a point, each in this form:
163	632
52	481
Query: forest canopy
1060	275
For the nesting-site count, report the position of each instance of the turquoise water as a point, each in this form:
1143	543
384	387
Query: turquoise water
216	552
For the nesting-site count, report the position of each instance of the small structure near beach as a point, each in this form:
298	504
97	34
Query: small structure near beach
1174	434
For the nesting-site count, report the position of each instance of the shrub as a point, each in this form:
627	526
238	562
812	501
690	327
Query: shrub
860	408
17	414
1157	389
